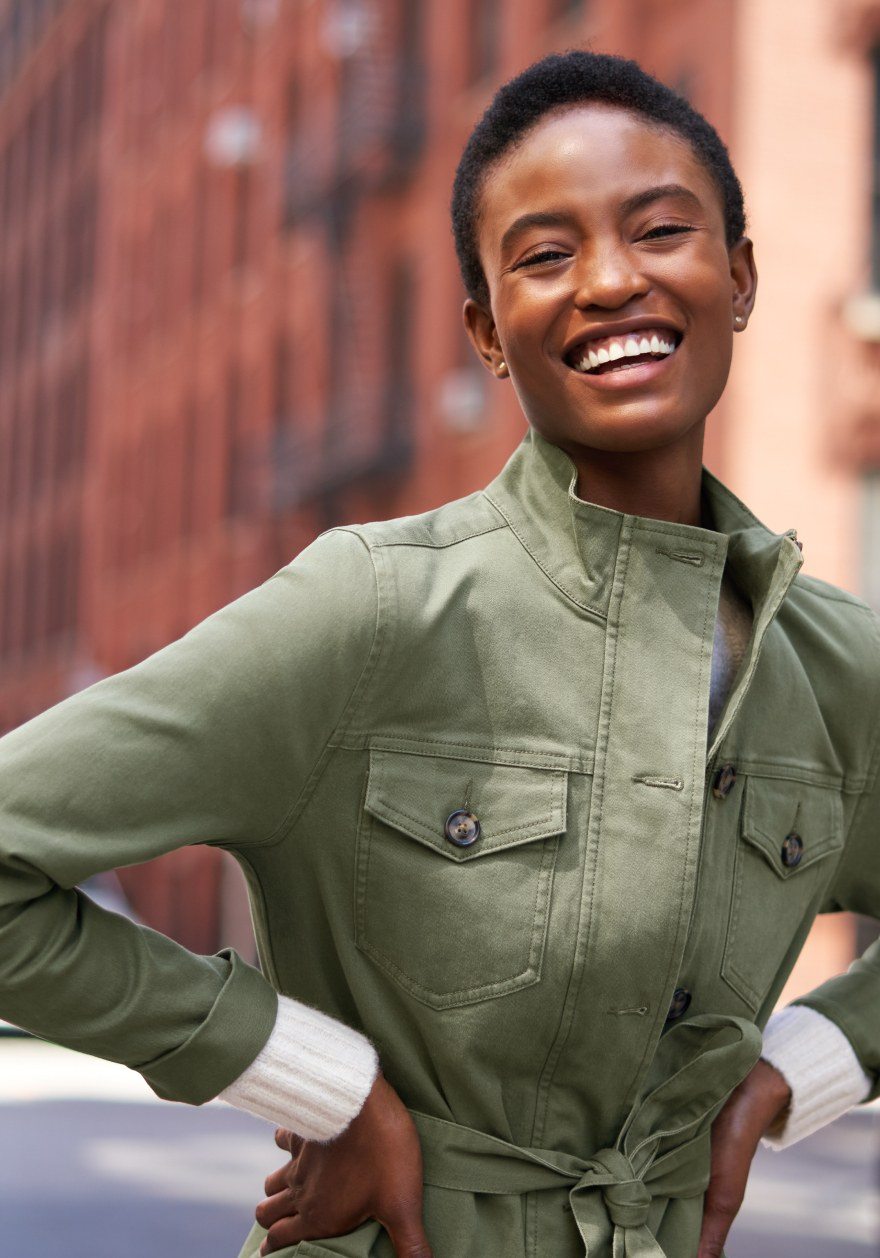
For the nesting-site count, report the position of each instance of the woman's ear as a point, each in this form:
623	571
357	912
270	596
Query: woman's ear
744	277
484	337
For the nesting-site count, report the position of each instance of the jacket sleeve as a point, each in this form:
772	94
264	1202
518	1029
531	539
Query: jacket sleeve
211	740
852	1000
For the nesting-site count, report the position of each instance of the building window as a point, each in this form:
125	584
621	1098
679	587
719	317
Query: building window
562	10
282	369
870	538
189	470
399	369
875	175
234	471
241	217
483	29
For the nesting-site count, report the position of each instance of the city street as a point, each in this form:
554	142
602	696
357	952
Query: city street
92	1165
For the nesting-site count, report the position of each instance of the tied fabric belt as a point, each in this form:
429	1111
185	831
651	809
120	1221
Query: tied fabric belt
662	1150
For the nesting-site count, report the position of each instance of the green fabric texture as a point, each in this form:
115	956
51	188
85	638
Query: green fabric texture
657	1152
544	664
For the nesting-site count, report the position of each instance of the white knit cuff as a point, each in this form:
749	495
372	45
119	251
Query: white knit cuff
312	1076
820	1067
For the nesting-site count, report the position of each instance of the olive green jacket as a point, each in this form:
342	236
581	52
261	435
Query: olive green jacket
542	664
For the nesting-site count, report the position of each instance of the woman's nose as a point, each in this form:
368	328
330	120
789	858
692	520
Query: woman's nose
609	277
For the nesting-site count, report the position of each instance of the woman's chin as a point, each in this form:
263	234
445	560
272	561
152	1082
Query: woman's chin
637	434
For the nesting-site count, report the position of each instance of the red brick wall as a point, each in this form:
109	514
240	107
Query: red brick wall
270	348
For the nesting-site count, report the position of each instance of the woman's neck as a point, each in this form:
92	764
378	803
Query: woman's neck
662	484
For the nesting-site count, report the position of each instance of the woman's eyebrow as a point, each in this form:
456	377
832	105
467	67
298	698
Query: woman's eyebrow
639	200
537	218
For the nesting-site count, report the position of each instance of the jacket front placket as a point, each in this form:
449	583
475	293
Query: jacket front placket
650	781
647	802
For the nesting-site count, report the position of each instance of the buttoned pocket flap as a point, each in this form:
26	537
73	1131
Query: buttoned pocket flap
791	824
506	805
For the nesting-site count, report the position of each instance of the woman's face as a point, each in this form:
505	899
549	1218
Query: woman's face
597	231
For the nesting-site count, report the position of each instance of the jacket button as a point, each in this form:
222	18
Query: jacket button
725	780
462	828
681	999
792	850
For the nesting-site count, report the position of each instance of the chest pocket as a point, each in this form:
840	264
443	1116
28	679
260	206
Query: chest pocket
455	869
789	835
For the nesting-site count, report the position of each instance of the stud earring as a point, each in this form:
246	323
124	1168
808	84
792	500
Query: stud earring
502	368
738	320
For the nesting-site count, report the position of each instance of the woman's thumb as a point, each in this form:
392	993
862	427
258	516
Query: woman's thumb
409	1239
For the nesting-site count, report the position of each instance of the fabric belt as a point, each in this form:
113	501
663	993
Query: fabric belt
662	1149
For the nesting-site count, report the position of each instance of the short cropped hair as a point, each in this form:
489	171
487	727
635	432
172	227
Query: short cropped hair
567	80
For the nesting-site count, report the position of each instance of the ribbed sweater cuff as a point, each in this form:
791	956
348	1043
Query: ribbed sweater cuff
819	1066
312	1076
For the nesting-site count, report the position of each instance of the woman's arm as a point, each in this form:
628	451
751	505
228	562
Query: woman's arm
212	739
312	1075
818	1063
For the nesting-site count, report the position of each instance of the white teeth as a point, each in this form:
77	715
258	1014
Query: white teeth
623	347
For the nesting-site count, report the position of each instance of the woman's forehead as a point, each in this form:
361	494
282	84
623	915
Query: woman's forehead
599	154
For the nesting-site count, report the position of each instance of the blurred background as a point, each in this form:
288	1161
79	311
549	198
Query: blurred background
230	319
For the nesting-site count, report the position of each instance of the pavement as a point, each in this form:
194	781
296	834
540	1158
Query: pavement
92	1165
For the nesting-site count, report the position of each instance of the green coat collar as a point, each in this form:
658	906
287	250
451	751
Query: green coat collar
576	542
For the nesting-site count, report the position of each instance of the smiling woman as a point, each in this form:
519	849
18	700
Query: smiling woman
600	229
537	793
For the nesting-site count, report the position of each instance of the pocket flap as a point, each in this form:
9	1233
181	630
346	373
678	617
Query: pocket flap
791	824
417	794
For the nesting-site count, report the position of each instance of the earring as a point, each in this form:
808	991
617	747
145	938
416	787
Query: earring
738	320
502	368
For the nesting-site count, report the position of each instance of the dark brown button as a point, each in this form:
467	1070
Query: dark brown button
462	828
681	999
792	850
725	780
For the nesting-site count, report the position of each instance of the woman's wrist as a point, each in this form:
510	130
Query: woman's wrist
775	1093
312	1076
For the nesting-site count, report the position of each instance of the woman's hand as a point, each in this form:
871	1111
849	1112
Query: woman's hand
373	1170
749	1112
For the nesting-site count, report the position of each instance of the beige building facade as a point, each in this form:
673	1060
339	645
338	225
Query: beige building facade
802	441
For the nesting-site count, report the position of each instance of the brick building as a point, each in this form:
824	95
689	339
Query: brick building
231	312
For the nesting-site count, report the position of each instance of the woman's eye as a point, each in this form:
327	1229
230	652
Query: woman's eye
666	229
545	255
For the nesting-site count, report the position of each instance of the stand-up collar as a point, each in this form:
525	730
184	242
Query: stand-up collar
576	542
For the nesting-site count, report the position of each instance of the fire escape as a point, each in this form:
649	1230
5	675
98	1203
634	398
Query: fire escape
365	435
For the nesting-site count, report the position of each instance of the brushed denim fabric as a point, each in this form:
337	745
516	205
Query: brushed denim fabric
543	663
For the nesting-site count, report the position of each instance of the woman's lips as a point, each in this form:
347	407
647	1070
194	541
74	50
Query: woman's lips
628	371
596	353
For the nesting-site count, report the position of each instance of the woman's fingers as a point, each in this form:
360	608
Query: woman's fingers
409	1239
278	1180
287	1232
281	1205
289	1141
723	1199
371	1170
749	1111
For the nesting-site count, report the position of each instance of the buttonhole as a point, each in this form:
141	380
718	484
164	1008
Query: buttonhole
638	1010
656	779
683	556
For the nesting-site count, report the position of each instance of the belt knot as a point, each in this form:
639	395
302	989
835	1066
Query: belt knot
626	1197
